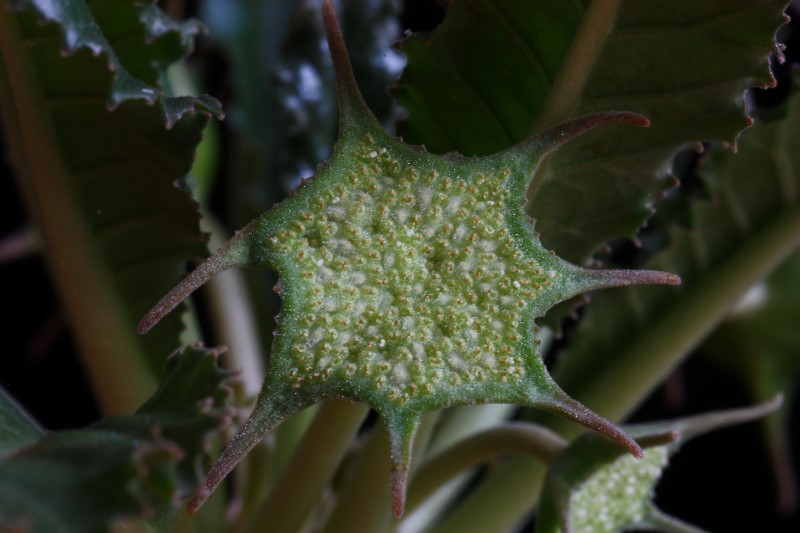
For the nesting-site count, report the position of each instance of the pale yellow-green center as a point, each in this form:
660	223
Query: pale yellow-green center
410	279
618	496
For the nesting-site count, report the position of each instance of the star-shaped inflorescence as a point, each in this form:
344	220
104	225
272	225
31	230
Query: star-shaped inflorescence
409	281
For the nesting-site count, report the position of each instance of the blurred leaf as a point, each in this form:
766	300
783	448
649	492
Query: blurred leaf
136	465
476	83
284	105
98	152
495	72
17	428
760	342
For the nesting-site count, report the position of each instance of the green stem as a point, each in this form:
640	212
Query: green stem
364	502
364	499
288	437
312	466
513	437
253	482
501	502
513	490
111	352
455	424
565	91
647	362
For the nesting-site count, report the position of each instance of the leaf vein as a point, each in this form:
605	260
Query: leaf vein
523	45
478	99
682	28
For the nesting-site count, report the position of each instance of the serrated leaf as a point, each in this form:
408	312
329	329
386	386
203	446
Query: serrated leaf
410	281
98	152
132	465
144	39
496	71
750	224
629	342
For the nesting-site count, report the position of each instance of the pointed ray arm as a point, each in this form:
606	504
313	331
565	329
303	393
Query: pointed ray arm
606	279
353	110
237	252
559	402
272	408
529	152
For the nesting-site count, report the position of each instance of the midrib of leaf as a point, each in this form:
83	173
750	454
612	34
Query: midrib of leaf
566	88
115	362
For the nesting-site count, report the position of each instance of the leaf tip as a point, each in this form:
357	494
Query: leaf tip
399	482
146	323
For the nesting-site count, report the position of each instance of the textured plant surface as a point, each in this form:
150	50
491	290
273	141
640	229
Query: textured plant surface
424	281
123	467
409	282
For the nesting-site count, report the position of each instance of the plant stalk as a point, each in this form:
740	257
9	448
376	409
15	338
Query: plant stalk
312	466
111	353
645	364
513	437
364	502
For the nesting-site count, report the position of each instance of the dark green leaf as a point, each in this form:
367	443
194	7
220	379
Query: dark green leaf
495	72
17	428
98	152
127	466
749	224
